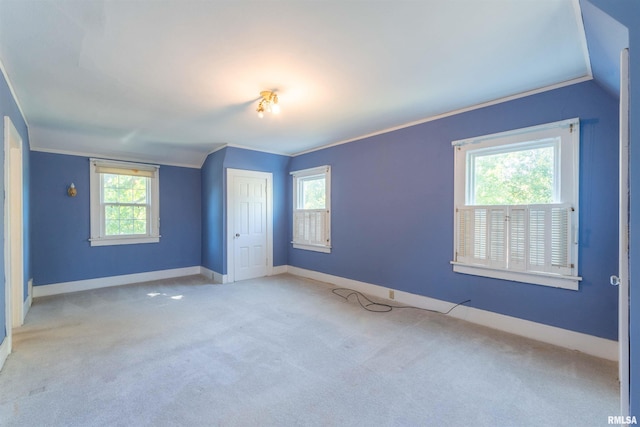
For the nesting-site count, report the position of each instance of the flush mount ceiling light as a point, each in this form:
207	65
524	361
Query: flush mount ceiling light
268	103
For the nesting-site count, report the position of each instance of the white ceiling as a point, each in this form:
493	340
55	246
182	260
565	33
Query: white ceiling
170	81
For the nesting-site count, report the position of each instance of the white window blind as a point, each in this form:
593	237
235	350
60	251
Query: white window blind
534	238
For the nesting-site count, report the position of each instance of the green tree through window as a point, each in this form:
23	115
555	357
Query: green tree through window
313	193
514	178
125	204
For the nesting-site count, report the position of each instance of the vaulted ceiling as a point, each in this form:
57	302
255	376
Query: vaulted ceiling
169	81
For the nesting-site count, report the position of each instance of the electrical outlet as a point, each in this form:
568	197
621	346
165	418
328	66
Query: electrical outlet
392	294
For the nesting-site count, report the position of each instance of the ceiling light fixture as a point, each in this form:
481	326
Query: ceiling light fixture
268	103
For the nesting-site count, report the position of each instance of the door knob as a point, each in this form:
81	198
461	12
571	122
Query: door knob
614	280
237	234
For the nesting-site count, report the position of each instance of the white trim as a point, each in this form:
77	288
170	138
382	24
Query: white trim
213	275
123	240
13	226
316	248
552	280
623	233
452	113
222	278
5	351
13	93
106	282
230	175
8	319
114	157
489	139
589	344
280	269
317	170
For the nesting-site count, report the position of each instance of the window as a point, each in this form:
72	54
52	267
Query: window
124	203
312	209
516	205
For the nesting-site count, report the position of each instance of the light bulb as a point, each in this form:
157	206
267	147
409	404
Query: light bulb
260	114
275	109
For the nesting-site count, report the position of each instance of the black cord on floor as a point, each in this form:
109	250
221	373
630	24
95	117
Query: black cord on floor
383	308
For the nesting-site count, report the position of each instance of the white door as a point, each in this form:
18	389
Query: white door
623	267
249	224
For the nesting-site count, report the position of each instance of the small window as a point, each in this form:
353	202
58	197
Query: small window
311	209
516	205
124	203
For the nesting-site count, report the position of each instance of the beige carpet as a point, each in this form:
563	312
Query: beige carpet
283	351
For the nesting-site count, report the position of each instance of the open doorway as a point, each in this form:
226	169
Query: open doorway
13	227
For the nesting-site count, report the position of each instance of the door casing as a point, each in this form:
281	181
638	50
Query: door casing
13	230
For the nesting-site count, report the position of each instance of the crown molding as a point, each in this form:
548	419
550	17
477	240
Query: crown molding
452	113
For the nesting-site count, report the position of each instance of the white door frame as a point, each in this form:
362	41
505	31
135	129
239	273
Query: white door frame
13	231
231	175
623	251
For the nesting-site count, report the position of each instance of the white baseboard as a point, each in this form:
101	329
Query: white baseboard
104	282
279	269
28	300
214	275
589	344
5	350
223	278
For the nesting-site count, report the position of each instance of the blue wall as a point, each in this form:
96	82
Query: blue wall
8	107
214	195
61	224
627	12
392	211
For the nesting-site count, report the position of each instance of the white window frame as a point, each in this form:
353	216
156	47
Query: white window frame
500	264
312	219
99	166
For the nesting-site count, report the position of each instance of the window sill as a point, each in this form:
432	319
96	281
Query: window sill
315	248
110	241
544	279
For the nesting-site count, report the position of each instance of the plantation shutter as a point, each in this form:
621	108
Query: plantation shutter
518	245
535	238
482	236
310	227
497	237
561	240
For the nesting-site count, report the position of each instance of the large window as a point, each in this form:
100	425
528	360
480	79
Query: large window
516	205
312	209
124	203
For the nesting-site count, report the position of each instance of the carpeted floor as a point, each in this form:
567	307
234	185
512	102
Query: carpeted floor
283	351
